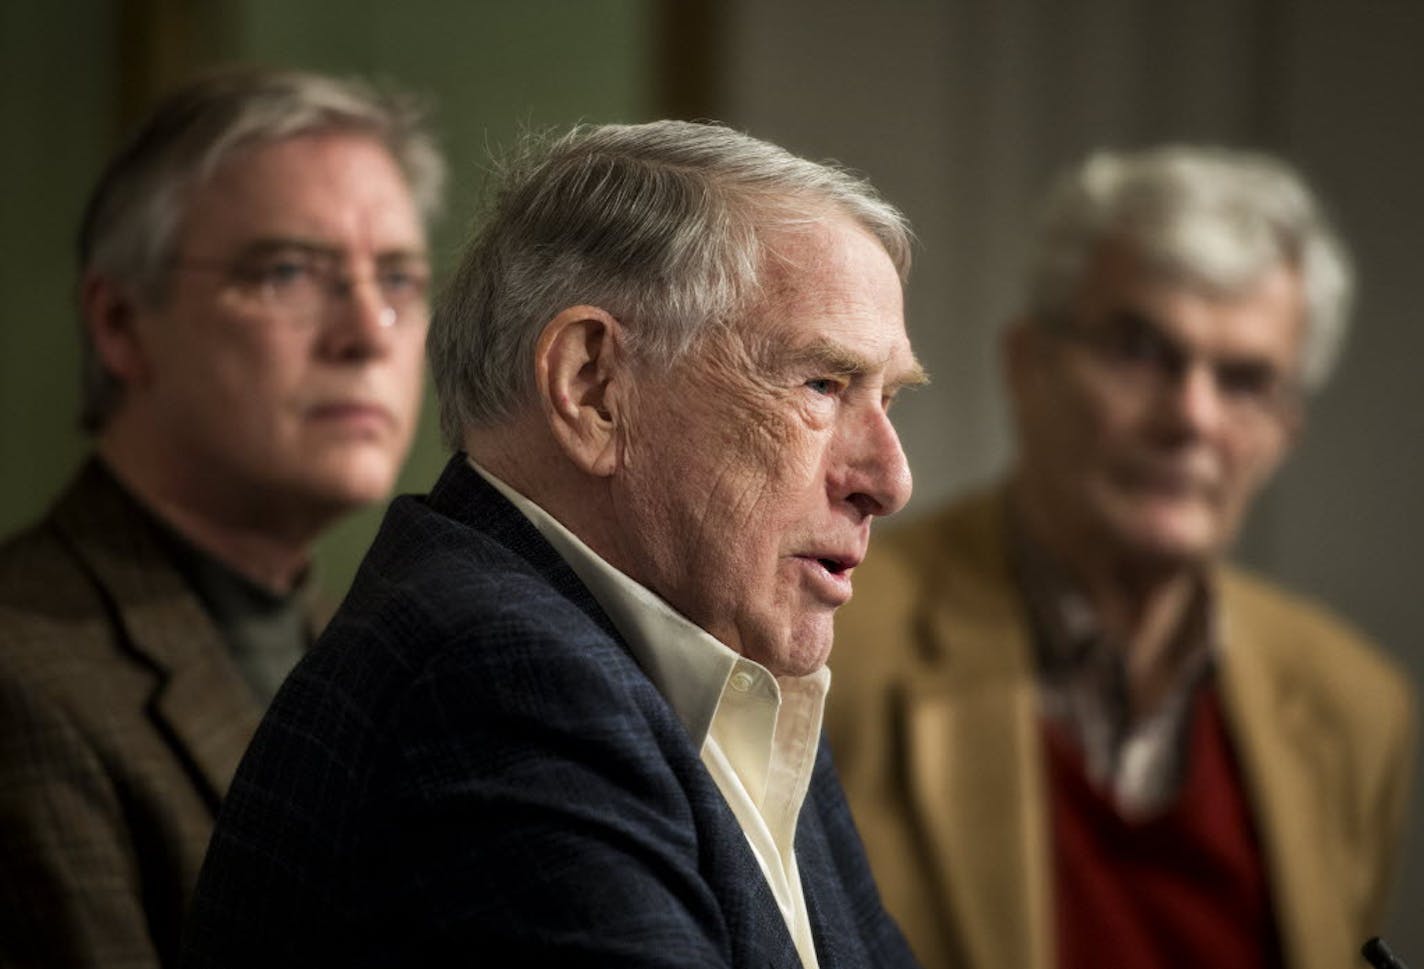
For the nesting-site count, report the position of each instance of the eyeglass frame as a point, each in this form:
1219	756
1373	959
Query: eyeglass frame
325	267
1248	387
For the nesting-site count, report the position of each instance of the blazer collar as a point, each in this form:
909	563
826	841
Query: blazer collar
462	495
200	700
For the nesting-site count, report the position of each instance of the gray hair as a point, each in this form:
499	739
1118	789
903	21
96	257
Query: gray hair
131	222
1211	217
666	226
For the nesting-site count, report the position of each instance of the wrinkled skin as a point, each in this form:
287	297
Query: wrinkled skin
750	471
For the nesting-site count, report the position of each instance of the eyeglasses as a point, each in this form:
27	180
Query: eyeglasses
304	283
1142	359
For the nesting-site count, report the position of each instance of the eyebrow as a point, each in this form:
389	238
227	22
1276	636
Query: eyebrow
273	244
841	360
1149	323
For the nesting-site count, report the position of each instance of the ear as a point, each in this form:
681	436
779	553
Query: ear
581	378
110	317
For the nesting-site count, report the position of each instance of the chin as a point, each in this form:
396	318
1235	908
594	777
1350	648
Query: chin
354	483
809	649
1173	548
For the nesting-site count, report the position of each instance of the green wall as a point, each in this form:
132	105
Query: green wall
490	68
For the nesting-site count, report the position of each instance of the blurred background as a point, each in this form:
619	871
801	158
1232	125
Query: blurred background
958	110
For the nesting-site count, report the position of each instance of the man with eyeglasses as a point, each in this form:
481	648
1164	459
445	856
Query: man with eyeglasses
1072	734
253	292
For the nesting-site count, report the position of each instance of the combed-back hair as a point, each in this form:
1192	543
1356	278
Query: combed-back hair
131	222
666	226
1212	218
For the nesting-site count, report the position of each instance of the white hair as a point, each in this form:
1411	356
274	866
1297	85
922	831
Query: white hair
666	226
1211	217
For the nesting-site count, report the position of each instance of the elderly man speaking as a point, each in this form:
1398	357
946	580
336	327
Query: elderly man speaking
570	712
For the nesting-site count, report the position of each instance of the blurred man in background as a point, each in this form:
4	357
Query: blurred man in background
253	291
1071	734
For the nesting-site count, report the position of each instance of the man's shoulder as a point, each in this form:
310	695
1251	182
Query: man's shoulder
426	569
437	597
55	614
1312	645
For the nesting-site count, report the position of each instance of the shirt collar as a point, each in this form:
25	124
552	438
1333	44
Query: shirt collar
690	667
1068	633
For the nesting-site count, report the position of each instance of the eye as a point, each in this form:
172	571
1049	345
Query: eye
1136	345
1246	379
825	386
404	284
281	273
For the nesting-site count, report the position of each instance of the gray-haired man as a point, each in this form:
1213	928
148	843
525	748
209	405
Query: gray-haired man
569	714
1072	735
253	293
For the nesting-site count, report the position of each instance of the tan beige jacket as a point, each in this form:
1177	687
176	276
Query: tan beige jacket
932	721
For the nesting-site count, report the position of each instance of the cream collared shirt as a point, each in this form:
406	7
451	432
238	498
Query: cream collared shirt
757	733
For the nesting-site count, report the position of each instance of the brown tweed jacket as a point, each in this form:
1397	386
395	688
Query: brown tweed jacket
933	722
122	719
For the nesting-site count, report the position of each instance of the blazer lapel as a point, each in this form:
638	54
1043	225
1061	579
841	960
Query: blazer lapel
975	761
200	701
975	776
1287	753
831	924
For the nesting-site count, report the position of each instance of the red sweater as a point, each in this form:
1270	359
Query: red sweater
1183	889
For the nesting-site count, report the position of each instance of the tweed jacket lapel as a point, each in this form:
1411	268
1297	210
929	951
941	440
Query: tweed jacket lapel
200	699
974	754
1291	762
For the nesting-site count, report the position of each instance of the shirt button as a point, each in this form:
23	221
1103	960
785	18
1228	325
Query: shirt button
742	681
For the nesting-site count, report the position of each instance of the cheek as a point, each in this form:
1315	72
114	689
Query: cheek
1253	466
407	371
1072	421
261	355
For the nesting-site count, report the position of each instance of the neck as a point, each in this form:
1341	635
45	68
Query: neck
524	456
1141	604
265	544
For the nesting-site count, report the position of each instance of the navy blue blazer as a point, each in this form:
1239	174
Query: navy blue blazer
471	767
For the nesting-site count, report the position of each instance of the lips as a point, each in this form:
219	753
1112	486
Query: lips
829	573
354	413
836	564
1181	480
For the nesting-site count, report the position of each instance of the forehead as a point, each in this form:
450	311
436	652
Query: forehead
1263	317
342	189
835	284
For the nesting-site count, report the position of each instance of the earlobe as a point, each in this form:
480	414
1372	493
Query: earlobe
580	373
110	317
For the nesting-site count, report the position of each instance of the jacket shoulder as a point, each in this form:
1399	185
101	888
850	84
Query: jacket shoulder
1315	650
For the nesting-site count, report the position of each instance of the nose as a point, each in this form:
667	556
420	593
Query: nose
876	477
358	322
1193	405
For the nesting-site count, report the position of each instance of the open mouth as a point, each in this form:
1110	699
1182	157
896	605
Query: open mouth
834	566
